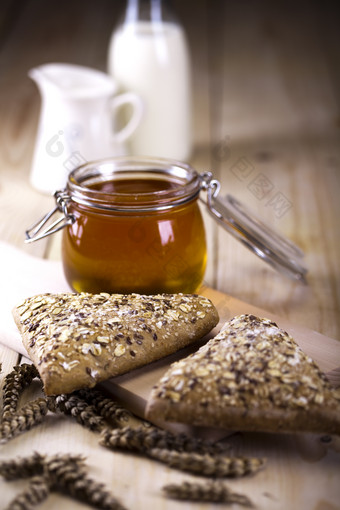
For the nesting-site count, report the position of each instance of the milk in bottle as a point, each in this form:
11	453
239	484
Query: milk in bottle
148	54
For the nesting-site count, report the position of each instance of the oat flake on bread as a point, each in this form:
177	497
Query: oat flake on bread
252	376
78	340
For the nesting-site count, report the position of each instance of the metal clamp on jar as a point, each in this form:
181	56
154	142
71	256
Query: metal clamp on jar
133	224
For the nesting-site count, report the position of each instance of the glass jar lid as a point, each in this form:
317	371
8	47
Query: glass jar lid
278	251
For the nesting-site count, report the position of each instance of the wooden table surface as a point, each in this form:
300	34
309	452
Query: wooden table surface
266	123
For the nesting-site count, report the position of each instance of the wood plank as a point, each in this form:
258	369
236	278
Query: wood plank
304	222
280	136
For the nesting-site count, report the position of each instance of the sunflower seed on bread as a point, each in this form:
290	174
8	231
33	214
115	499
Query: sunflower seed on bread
251	376
77	340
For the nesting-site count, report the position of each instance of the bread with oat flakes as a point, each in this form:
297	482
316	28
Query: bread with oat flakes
252	376
77	340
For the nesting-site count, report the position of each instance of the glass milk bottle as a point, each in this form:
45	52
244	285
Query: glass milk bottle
148	54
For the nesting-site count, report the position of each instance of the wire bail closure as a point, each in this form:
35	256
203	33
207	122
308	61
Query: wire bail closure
36	232
212	187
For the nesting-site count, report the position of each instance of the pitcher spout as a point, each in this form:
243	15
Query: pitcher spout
43	79
72	81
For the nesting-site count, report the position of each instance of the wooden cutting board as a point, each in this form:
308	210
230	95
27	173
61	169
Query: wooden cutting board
134	388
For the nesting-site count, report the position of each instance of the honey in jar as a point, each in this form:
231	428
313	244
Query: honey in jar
136	227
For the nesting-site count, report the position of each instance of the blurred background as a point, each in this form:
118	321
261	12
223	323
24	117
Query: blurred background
253	62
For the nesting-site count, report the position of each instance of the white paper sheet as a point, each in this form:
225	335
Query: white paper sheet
21	276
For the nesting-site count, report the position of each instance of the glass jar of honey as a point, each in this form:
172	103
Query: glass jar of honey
133	224
136	227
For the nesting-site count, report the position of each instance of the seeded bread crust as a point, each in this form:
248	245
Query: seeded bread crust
77	340
252	376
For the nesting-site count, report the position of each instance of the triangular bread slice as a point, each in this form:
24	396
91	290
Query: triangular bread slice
253	377
77	340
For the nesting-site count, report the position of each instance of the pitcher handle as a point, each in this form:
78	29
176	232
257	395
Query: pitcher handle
128	98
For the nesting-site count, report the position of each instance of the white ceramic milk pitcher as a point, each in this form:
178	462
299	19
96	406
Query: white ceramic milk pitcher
77	121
